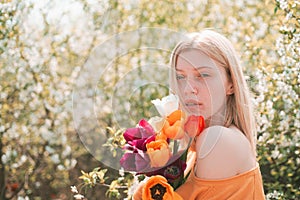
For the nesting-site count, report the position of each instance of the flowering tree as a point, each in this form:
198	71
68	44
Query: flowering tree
40	48
263	37
278	108
44	46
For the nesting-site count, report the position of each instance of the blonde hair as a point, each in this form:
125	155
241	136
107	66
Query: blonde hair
239	107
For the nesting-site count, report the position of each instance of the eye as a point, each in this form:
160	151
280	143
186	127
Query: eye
180	77
204	75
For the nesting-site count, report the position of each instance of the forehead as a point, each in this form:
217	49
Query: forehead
193	58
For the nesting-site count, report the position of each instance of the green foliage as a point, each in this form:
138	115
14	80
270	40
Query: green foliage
115	140
91	178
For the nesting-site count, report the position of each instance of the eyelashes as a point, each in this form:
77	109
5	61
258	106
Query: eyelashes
203	75
180	77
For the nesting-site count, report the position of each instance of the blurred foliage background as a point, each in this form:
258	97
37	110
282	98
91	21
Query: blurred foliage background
44	46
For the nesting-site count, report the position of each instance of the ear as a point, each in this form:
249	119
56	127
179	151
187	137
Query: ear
230	89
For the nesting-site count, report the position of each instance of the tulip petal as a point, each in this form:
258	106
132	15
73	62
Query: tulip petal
166	105
142	162
175	116
128	161
132	134
194	125
146	129
175	131
149	139
157	187
159	153
139	144
129	147
157	123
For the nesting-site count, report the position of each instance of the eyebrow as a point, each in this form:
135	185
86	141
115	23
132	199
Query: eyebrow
197	68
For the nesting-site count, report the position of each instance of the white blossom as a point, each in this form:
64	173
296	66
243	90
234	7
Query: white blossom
55	158
74	189
78	196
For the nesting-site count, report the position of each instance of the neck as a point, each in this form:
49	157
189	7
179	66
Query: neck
215	120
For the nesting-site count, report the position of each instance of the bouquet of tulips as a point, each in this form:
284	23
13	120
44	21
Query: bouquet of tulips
158	147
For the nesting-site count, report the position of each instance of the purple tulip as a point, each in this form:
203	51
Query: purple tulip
140	135
143	130
146	128
128	162
132	134
142	162
135	161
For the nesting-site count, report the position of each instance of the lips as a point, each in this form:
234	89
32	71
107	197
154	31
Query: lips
192	102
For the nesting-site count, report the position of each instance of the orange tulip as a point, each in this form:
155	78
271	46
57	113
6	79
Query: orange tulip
157	187
161	136
175	131
173	125
159	152
175	116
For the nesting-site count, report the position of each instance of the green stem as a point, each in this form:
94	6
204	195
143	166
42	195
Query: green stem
175	149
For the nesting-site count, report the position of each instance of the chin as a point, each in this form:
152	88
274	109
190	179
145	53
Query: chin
195	112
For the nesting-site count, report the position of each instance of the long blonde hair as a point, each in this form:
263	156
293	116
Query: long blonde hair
239	107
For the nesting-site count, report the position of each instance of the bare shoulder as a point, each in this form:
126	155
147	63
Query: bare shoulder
223	152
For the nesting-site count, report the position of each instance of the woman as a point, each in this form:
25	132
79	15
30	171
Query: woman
207	76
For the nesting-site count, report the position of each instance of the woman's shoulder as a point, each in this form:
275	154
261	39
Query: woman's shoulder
223	152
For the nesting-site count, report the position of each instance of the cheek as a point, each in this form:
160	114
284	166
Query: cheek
217	85
215	92
179	88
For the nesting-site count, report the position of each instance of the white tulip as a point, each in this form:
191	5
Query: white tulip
166	105
157	123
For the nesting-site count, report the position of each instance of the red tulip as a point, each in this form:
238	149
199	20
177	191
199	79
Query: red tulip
194	125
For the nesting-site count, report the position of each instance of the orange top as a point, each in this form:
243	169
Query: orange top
247	185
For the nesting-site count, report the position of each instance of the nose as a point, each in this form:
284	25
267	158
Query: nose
190	87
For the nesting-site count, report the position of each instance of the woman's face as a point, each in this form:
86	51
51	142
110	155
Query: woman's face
203	86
